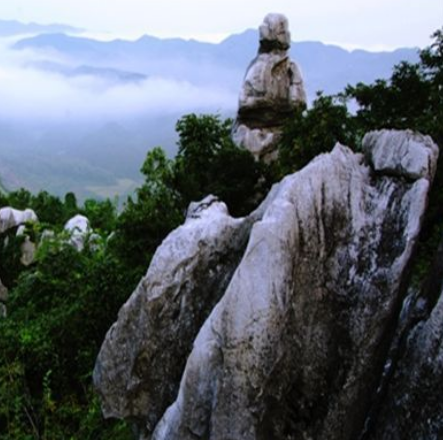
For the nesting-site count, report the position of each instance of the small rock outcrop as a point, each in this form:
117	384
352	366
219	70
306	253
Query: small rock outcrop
28	247
11	218
272	88
79	228
279	325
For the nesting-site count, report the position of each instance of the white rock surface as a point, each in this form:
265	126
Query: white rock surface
79	228
28	250
187	276
402	153
275	28
293	343
10	218
272	87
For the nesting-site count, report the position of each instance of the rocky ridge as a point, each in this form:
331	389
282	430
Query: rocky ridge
281	324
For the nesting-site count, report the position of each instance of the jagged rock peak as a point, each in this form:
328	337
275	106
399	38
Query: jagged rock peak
272	87
274	33
278	325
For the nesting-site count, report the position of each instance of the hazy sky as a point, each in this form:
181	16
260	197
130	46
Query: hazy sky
372	24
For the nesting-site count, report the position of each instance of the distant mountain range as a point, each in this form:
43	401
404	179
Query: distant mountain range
11	27
127	95
112	76
325	67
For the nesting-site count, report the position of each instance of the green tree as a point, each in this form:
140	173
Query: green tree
4	200
49	208
313	131
146	221
20	199
70	205
101	214
59	313
208	162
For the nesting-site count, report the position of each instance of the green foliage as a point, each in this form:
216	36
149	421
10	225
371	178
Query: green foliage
146	221
59	313
3	199
315	131
102	215
411	98
208	162
49	209
20	199
10	257
402	102
70	203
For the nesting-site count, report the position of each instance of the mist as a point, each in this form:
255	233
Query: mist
70	125
30	94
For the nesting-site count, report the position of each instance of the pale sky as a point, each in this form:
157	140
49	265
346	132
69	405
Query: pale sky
371	24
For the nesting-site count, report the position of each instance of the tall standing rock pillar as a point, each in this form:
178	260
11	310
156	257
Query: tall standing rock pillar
272	88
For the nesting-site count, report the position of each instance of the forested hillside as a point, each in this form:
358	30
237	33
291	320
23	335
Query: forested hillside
61	305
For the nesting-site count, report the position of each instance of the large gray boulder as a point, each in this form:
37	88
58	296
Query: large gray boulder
272	87
283	338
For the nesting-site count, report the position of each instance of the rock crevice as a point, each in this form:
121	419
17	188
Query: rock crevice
278	325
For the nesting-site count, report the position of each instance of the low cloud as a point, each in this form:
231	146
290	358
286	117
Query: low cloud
29	93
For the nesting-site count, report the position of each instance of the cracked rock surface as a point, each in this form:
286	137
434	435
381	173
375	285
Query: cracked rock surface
272	87
277	325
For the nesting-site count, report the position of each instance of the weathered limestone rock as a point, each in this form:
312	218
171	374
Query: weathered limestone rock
401	153
142	359
290	336
413	407
28	248
11	218
14	218
79	228
272	88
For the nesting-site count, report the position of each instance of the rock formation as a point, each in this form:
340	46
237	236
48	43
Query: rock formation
272	88
187	277
79	228
413	406
11	218
280	325
27	248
